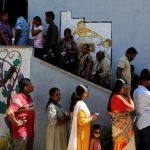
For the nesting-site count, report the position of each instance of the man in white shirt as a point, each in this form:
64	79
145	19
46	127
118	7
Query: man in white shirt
141	98
101	75
123	66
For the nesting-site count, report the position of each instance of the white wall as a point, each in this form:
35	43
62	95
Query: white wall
45	76
130	23
9	55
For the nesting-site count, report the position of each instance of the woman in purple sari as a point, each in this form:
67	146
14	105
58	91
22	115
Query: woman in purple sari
5	29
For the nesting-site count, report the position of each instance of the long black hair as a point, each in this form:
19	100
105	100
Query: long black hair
22	83
118	85
51	93
77	95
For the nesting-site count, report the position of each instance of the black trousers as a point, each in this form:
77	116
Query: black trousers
144	139
39	52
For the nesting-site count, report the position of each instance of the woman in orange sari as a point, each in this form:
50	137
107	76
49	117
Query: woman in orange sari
120	107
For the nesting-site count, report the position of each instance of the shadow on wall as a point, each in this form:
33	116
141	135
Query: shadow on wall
45	76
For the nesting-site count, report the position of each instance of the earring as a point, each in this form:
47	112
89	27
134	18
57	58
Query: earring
25	88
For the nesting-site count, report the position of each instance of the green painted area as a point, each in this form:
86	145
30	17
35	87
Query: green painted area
17	88
3	107
16	62
5	92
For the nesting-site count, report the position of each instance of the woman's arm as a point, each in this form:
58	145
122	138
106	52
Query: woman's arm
121	102
11	116
91	144
129	99
35	32
83	120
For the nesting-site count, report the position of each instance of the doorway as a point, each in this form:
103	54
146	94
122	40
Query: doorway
14	8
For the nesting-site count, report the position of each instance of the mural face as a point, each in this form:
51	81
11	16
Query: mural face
21	60
96	34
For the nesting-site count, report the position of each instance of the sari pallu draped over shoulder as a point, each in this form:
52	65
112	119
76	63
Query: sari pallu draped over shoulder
122	131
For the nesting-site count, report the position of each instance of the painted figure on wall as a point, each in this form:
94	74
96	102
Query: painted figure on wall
85	34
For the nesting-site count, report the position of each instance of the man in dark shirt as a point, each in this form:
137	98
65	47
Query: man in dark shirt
51	40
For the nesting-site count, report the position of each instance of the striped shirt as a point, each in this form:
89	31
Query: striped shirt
24	108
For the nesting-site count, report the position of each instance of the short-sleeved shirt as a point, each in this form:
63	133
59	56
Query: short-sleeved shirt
141	98
38	41
125	65
23	107
22	25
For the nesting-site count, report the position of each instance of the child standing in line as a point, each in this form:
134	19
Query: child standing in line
96	132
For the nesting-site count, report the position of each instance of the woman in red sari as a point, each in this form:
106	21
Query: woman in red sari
120	107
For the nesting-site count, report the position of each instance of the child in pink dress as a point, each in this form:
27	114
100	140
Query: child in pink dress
95	138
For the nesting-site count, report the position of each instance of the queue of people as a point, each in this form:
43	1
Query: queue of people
82	135
21	113
64	53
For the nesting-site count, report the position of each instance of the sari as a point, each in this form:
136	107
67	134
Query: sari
85	66
6	29
122	129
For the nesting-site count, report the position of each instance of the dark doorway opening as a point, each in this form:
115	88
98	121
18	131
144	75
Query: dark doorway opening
14	8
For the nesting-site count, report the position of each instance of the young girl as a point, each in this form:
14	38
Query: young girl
37	32
95	138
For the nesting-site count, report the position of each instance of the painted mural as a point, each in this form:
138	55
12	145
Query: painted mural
20	58
96	34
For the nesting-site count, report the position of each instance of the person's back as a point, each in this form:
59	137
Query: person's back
22	30
134	80
123	66
141	98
